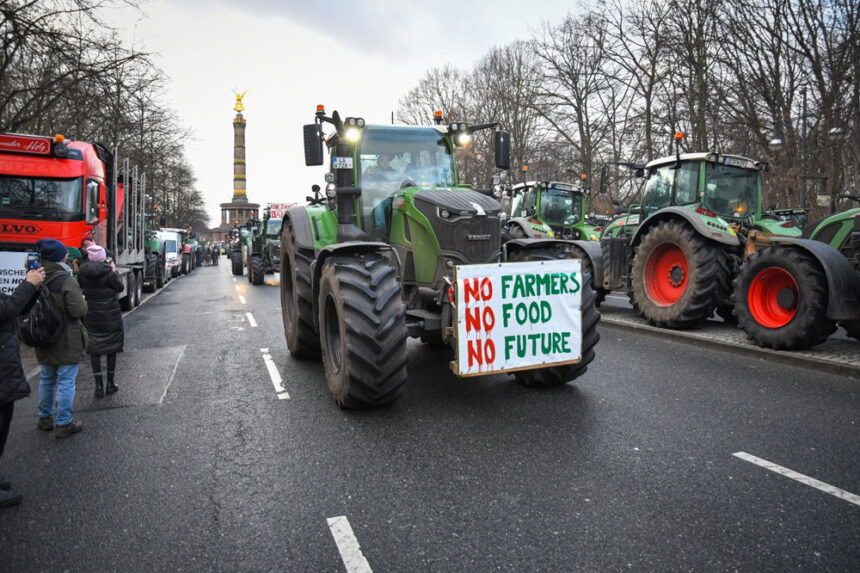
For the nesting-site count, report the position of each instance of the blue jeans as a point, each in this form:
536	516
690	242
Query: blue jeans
57	382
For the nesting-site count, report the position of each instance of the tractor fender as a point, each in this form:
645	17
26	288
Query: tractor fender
350	248
301	225
843	284
669	213
591	248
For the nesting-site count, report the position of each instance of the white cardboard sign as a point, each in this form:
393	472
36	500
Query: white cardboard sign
13	270
518	316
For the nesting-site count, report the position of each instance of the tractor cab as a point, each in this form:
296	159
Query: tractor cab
390	159
549	208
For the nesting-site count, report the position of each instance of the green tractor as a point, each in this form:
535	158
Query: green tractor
791	292
236	248
561	207
155	272
676	254
375	259
263	246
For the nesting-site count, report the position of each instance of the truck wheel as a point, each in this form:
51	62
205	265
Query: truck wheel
236	261
256	270
127	302
678	276
780	298
558	375
159	274
297	307
852	327
362	330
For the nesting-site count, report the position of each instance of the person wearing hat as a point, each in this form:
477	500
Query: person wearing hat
59	362
101	283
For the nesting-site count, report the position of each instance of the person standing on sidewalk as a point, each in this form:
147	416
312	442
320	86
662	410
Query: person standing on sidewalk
13	382
100	284
59	362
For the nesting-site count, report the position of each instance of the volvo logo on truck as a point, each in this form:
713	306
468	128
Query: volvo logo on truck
19	228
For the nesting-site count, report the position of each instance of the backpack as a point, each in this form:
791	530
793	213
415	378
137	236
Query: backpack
43	324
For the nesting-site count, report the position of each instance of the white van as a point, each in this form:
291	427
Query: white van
172	239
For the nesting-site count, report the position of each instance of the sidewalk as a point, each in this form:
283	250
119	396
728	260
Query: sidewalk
835	355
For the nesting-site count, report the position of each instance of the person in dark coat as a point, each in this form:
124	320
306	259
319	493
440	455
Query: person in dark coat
13	383
101	283
59	361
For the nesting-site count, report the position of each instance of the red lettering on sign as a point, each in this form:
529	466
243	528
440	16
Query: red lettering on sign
477	291
480	352
477	320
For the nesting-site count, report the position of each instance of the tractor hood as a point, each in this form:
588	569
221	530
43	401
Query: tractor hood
460	202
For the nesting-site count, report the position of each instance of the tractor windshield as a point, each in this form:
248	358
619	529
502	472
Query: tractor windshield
731	191
43	198
273	227
392	158
559	207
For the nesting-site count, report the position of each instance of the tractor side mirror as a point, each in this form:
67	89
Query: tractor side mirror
503	149
604	175
313	144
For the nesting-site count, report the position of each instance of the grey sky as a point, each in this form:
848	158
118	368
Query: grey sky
357	57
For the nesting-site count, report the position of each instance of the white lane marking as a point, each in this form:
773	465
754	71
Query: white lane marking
172	375
277	382
241	299
812	482
347	545
251	320
236	287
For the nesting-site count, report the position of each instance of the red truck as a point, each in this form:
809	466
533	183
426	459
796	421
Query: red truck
70	190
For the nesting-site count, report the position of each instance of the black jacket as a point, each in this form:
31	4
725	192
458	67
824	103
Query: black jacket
104	317
13	383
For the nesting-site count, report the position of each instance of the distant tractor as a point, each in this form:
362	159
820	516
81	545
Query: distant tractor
562	207
155	273
791	292
677	253
263	246
235	250
374	260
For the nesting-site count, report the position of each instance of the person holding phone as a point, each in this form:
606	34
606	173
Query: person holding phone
13	382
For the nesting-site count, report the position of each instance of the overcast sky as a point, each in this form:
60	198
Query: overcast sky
358	57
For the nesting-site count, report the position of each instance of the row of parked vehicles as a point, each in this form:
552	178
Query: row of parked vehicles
700	243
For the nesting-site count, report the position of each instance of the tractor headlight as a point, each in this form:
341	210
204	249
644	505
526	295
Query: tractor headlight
464	138
352	134
330	191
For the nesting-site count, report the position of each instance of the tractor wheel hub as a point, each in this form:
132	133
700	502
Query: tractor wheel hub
676	276
787	298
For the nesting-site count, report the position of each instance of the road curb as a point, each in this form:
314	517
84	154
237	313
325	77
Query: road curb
698	339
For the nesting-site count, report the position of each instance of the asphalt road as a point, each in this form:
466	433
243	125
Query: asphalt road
203	462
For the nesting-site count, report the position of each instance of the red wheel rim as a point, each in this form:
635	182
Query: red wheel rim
764	293
666	274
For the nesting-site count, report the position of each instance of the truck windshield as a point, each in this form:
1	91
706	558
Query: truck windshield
731	191
41	197
559	207
392	158
273	227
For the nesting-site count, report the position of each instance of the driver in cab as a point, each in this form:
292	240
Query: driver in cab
377	176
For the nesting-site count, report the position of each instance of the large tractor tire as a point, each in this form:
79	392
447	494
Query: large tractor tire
678	276
852	327
362	330
780	298
256	270
297	307
236	263
559	375
151	269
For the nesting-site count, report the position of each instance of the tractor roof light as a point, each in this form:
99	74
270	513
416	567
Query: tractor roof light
679	135
437	117
776	143
320	110
464	138
352	134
